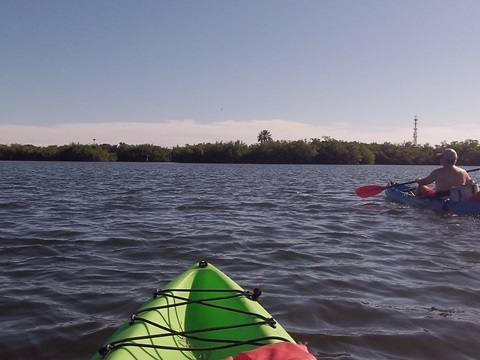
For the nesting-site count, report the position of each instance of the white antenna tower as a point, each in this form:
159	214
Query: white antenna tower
415	131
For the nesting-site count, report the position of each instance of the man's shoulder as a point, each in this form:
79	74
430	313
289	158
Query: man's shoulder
440	171
459	169
445	172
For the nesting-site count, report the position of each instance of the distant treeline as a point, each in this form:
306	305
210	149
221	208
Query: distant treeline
314	151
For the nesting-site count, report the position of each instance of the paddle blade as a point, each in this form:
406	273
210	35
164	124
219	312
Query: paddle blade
369	190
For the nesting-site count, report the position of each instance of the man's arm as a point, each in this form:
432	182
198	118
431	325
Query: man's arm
427	180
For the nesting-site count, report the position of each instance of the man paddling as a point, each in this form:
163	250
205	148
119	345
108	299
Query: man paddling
444	178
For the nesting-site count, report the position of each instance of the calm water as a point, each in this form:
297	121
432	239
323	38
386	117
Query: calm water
82	245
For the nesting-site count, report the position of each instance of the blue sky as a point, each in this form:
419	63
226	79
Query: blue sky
176	72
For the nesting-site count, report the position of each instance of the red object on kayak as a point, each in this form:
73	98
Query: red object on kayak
277	351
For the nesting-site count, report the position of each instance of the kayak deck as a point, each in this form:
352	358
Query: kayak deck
201	314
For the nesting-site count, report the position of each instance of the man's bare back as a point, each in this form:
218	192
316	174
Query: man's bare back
446	177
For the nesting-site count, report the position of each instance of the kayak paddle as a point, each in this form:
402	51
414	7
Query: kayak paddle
372	190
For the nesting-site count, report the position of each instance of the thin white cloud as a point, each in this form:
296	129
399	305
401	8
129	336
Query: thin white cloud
181	132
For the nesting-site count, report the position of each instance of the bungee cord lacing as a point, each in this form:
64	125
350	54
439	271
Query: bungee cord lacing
258	320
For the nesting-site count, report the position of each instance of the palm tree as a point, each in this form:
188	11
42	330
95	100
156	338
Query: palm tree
264	136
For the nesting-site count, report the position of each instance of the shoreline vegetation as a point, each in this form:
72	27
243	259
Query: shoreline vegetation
314	151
